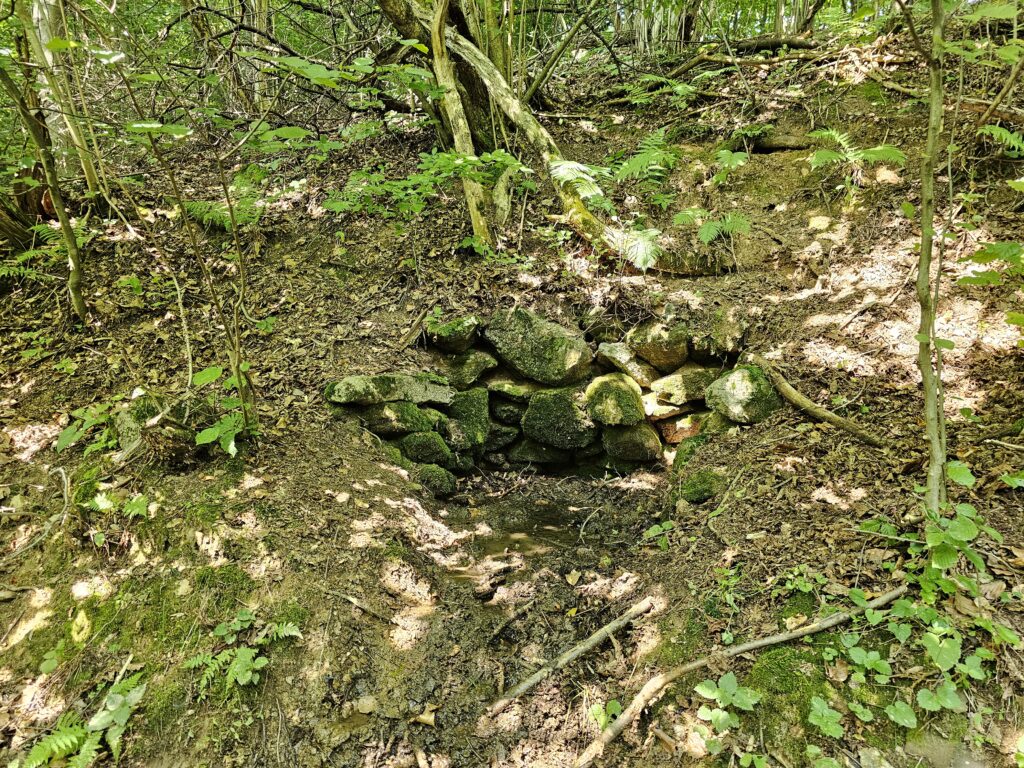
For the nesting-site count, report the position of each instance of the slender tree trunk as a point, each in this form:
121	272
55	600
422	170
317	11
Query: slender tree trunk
451	103
37	132
929	355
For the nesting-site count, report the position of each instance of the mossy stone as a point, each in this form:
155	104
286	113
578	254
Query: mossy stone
394	454
455	335
686	450
538	349
743	395
425	448
637	442
527	451
438	480
701	486
465	369
555	417
614	399
468	420
390	387
399	418
721	335
684	385
619	356
517	391
665	346
508	412
499	436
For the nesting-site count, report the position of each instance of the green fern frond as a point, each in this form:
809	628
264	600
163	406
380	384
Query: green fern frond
582	178
67	737
1010	139
46	234
88	752
283	630
884	153
652	162
21	272
837	137
735	224
690	216
709	231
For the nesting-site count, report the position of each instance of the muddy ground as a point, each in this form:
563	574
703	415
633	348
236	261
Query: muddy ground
415	614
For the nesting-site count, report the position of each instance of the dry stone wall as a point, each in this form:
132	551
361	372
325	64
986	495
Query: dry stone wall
522	390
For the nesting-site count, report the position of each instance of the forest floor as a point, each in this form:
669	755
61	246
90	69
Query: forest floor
313	514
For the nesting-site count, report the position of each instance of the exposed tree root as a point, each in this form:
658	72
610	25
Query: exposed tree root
658	683
571	655
807	406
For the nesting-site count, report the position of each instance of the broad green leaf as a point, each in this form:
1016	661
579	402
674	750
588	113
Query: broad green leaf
944	652
960	474
207	375
901	713
1006	11
209	435
928	701
962	528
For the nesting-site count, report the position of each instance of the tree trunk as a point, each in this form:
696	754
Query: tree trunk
14	226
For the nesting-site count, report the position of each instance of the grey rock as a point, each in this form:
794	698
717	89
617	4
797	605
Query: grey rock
556	417
618	355
390	387
743	395
538	349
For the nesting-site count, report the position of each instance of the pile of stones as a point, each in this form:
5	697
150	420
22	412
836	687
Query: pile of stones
521	389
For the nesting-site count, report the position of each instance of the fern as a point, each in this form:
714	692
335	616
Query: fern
690	216
1012	140
645	89
281	631
21	272
66	738
849	154
88	752
638	246
652	162
582	178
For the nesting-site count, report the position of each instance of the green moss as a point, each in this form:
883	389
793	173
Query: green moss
455	335
686	450
803	603
469	421
398	418
788	678
615	399
682	633
226	585
394	454
555	418
701	486
438	480
425	448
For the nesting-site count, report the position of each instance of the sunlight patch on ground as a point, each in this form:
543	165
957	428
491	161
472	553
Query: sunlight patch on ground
609	588
39	599
97	586
638	481
838	497
829	354
36	707
364	532
29	439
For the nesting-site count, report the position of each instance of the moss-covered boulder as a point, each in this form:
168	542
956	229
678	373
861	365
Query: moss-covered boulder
399	418
718	333
538	349
507	411
500	436
701	486
425	448
665	346
619	356
390	387
743	395
394	454
527	451
556	417
614	399
453	336
438	480
465	369
684	385
639	442
468	420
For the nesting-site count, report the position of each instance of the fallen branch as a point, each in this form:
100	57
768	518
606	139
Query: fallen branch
987	108
807	406
658	683
571	655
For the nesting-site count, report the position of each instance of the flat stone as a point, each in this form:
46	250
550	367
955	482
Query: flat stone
399	418
685	385
654	409
614	399
538	349
528	451
675	430
455	335
556	417
639	442
663	346
499	436
618	355
464	370
518	391
468	420
743	395
390	387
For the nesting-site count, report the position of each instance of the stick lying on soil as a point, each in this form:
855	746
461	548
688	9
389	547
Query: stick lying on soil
658	683
804	404
571	655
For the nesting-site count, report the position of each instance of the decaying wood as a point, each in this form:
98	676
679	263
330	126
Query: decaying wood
571	655
657	684
806	405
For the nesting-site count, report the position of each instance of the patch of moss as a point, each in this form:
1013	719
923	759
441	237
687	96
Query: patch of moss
687	449
226	586
425	448
683	634
701	486
788	678
438	480
803	603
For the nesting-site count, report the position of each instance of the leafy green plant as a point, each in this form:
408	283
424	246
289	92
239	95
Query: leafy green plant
726	693
238	662
651	163
646	88
850	158
52	658
78	743
825	719
232	421
728	161
711	230
604	715
83	420
658	533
